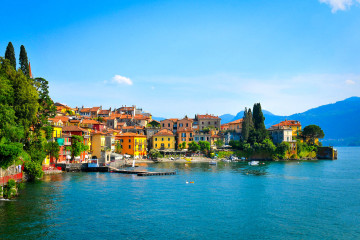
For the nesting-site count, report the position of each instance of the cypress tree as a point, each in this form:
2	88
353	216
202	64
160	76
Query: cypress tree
259	122
245	126
10	54
250	120
23	61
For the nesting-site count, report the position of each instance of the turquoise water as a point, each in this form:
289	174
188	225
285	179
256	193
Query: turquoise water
277	200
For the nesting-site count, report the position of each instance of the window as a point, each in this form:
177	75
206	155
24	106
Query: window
129	140
190	134
180	124
155	139
129	146
121	140
169	145
187	124
196	138
155	144
208	123
169	139
168	124
184	139
183	134
163	124
162	139
202	138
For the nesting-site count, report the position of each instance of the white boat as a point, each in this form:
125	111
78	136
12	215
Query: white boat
254	163
212	163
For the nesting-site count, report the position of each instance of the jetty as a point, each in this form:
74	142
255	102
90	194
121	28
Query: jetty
142	173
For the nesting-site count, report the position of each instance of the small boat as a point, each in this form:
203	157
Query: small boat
226	160
254	163
212	163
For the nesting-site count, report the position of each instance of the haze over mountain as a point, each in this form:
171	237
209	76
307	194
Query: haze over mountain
340	120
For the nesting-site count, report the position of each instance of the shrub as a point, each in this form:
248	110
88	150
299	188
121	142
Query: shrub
34	170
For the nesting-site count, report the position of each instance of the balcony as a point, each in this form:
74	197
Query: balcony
67	143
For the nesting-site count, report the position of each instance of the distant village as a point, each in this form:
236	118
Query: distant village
128	131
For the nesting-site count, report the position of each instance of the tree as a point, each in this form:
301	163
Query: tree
245	126
154	154
193	146
182	145
52	149
204	146
77	146
260	132
311	133
118	147
23	61
219	143
10	55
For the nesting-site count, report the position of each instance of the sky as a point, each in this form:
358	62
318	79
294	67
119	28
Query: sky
177	58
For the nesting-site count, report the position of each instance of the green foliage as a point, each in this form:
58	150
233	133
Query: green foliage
182	145
52	149
219	143
118	147
311	133
10	55
33	170
225	154
193	146
23	61
10	189
204	146
154	154
282	149
9	153
77	146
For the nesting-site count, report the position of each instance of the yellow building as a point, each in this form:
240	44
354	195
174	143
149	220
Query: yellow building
132	144
97	144
57	125
294	125
164	139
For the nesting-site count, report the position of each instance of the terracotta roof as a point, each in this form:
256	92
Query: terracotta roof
164	132
64	119
127	108
73	129
170	119
129	134
289	123
54	119
74	120
85	110
236	121
141	117
94	109
133	127
207	116
104	112
89	121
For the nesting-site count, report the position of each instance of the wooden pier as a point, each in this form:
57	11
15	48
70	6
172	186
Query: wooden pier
142	173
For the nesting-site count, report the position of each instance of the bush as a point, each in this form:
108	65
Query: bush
33	170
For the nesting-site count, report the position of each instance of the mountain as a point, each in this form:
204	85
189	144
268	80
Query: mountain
340	121
158	118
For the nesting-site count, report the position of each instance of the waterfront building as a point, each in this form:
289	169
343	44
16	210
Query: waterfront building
163	140
294	125
185	134
75	130
132	144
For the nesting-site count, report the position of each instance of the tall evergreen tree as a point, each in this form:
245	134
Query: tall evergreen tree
259	123
10	54
250	120
245	126
23	61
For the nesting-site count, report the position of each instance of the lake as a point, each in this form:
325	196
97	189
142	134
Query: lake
276	200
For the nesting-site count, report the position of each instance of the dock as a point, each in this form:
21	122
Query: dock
143	173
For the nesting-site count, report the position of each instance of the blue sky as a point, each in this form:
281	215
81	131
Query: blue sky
184	57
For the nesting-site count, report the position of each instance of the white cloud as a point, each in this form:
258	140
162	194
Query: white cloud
339	4
121	80
349	82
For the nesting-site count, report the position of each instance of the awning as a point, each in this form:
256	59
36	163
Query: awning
68	157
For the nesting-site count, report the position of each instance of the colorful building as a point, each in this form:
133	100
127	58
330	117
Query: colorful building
132	144
294	125
236	125
163	140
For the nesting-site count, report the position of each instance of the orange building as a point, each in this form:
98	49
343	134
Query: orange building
132	144
293	124
236	125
